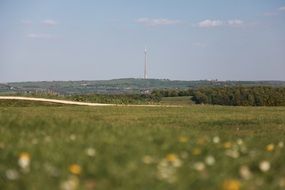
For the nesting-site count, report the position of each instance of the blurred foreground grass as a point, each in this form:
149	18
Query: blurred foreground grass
194	147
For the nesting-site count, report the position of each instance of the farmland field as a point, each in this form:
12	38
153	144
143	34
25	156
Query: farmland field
180	100
48	146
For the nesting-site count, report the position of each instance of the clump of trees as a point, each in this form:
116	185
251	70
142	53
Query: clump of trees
172	92
117	98
240	96
142	98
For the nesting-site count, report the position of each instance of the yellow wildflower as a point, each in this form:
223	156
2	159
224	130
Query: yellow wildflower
270	147
174	160
231	184
147	159
183	139
196	151
202	141
24	160
227	145
171	157
75	169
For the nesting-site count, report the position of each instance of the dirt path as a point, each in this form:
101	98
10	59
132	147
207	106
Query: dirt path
73	102
53	101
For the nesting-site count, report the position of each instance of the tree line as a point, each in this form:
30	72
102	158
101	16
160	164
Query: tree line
172	92
241	96
232	96
117	98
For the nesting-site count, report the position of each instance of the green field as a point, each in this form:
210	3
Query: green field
180	100
48	147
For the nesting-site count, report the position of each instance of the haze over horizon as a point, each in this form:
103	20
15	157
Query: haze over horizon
105	39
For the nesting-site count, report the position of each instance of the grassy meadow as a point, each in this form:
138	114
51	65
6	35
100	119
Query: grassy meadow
180	100
48	146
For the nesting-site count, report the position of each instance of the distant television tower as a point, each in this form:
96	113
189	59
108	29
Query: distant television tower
145	63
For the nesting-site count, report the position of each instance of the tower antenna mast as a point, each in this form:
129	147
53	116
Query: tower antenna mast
145	63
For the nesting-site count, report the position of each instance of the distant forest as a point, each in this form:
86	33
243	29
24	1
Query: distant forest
232	96
241	96
122	86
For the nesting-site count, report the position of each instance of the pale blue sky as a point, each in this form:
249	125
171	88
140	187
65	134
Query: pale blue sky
105	39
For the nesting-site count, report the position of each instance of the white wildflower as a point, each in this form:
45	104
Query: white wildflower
90	152
232	153
12	174
72	137
166	171
199	166
24	161
216	139
264	166
184	154
240	142
281	144
210	160
70	184
245	172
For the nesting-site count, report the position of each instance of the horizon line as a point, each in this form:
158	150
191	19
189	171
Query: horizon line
86	80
